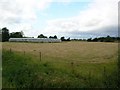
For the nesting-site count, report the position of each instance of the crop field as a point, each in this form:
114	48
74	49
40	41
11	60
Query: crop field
59	65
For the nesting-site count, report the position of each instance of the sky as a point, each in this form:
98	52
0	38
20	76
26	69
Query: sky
68	18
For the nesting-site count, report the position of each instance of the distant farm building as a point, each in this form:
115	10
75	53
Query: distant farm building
50	40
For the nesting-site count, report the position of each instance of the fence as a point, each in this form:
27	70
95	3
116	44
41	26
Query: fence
89	77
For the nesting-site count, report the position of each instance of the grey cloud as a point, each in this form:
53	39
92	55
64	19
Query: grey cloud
112	31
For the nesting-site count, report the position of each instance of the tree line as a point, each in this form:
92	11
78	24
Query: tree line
6	35
104	39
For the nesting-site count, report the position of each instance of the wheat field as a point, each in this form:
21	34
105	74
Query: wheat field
92	52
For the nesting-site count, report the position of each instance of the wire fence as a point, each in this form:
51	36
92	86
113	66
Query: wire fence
90	74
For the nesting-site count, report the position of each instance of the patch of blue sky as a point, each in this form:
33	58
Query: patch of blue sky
59	11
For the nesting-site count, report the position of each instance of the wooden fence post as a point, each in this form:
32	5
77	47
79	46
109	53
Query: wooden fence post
40	55
10	50
72	66
24	52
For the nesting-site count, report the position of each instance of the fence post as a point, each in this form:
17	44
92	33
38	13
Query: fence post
24	52
40	55
72	66
10	50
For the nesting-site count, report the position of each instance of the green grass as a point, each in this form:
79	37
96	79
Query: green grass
17	71
63	65
23	71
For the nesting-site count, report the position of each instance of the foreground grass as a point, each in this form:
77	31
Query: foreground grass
24	71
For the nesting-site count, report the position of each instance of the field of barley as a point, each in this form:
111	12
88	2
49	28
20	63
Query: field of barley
59	65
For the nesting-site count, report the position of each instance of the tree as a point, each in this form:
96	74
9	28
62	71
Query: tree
54	37
68	39
62	39
16	35
95	39
5	34
50	37
42	36
89	40
108	39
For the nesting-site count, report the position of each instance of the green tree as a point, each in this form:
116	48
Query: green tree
5	34
50	37
89	39
63	39
42	36
16	35
95	39
108	39
54	37
68	39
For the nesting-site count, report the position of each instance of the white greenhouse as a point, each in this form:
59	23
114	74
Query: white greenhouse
34	40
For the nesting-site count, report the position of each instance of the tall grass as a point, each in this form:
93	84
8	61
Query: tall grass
20	71
17	70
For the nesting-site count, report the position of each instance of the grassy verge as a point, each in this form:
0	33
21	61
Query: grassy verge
21	71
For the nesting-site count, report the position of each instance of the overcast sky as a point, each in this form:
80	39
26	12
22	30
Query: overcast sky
69	18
